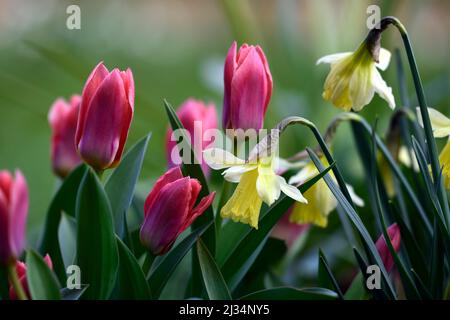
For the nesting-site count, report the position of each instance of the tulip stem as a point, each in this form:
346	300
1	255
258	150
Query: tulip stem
15	282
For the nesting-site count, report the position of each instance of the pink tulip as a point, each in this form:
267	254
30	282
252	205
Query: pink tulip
248	88
107	106
169	210
190	112
21	270
288	231
13	215
63	118
383	250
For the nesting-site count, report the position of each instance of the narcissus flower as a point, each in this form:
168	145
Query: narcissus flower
321	201
13	215
394	234
21	270
63	117
106	112
190	113
354	78
441	128
248	88
258	182
169	210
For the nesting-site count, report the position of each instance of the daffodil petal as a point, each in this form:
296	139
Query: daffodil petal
219	159
268	186
383	59
382	88
234	174
331	58
439	122
355	198
303	175
361	88
291	191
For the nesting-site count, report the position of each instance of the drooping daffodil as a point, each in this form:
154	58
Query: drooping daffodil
258	181
354	78
321	201
441	129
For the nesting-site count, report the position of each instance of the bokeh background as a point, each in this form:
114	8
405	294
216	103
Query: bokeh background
176	50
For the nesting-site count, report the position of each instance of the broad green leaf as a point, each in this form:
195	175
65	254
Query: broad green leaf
131	283
73	294
97	254
239	262
213	280
288	293
42	282
121	183
356	291
64	200
326	277
165	266
67	235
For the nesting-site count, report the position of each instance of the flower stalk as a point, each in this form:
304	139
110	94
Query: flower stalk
15	282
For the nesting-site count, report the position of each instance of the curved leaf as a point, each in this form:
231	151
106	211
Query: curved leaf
288	293
42	282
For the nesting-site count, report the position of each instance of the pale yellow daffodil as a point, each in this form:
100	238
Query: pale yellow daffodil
258	182
321	201
354	78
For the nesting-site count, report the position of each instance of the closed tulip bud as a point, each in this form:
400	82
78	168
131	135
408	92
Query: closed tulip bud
190	112
21	270
169	210
106	111
63	118
248	88
13	215
383	250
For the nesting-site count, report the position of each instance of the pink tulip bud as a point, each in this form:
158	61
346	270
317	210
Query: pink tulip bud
21	270
248	88
289	231
169	210
63	118
193	113
383	250
13	215
107	106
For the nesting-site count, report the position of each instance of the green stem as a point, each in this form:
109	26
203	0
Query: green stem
20	292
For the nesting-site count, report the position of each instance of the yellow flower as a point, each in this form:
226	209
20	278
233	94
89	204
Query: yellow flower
321	201
441	128
354	78
258	182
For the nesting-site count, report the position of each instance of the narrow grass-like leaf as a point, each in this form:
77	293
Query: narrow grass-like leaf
121	183
424	292
356	290
213	280
97	254
73	294
42	282
289	293
376	293
326	277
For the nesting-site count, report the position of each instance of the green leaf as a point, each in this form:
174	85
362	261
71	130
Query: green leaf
239	262
121	184
376	293
64	200
131	283
288	293
67	235
165	266
214	283
97	254
356	291
326	278
73	294
42	282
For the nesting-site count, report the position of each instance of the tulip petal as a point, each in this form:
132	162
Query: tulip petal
109	116
93	82
4	229
219	159
268	75
332	58
383	59
291	191
204	203
230	66
439	122
18	214
382	88
170	176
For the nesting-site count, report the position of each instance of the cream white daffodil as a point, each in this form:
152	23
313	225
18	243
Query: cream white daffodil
441	129
354	78
258	182
321	201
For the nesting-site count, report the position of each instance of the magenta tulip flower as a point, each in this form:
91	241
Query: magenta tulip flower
106	111
63	118
190	112
13	215
383	250
248	88
169	209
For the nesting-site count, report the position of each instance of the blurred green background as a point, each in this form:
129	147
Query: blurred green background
176	50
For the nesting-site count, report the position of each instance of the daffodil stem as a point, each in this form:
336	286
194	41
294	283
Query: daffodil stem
15	282
431	144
